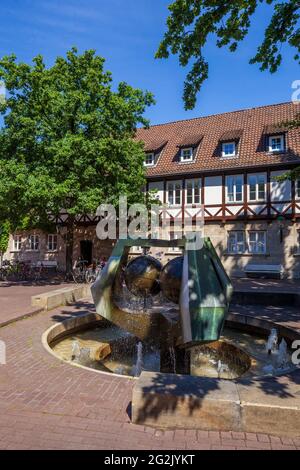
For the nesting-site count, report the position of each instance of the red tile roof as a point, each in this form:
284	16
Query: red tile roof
251	125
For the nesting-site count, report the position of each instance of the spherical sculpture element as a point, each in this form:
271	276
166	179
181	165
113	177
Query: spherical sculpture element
141	276
170	279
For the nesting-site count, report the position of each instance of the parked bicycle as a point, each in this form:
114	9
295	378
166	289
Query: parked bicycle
84	273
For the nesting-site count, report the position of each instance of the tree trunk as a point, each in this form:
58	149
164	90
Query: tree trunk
69	246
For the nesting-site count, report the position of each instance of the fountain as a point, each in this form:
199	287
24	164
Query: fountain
172	359
75	350
170	318
165	327
282	359
272	341
137	370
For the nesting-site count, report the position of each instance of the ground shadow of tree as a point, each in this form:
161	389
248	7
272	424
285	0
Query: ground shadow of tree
80	308
169	392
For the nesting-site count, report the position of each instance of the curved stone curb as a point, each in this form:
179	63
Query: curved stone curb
60	297
268	404
71	325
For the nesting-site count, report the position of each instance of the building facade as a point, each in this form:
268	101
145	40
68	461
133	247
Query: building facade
226	165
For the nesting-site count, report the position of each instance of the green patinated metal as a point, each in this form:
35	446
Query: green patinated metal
205	294
210	291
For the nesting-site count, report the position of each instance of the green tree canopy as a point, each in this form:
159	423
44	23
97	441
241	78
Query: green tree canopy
67	140
192	23
4	236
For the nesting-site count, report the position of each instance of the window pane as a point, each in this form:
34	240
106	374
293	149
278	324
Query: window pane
189	193
240	236
197	192
230	193
276	143
170	194
236	242
252	188
261	191
239	189
178	194
231	243
187	154
149	160
189	199
229	148
261	248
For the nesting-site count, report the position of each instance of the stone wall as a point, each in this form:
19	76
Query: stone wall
26	254
285	252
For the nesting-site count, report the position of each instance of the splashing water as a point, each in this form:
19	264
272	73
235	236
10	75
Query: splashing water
84	356
272	343
172	359
139	362
75	350
282	358
219	368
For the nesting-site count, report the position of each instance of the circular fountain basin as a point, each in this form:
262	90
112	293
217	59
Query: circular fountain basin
106	348
120	350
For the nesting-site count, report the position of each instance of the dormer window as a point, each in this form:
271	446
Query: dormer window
228	149
276	143
186	155
149	159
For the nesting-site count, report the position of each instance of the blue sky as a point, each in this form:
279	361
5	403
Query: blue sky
127	34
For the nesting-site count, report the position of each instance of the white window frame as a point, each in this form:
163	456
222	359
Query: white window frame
34	242
237	243
256	251
173	184
228	155
152	156
235	178
297	189
17	243
257	176
281	137
190	158
52	240
196	183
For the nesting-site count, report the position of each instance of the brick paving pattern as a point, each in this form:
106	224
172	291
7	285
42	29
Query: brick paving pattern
48	404
16	298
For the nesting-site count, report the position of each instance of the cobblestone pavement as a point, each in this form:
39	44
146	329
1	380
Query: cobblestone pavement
48	404
267	285
15	298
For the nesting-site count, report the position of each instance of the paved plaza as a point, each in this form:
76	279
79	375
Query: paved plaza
48	404
15	298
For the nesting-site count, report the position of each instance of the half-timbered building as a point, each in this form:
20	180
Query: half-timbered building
228	166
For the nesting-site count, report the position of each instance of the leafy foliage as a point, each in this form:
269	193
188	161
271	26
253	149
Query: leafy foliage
4	236
192	23
67	140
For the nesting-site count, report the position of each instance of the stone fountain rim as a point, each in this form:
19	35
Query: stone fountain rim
57	326
60	329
